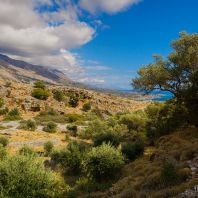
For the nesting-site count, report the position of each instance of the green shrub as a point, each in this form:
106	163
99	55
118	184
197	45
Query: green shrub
169	173
14	114
70	158
3	153
58	95
86	107
73	129
73	101
2	102
48	147
112	138
25	176
51	127
40	94
4	141
73	117
27	151
4	111
164	119
29	125
50	115
101	163
39	84
133	150
134	122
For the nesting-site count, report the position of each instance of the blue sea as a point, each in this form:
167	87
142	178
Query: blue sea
156	95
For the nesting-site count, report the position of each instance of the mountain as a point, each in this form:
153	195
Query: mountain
17	70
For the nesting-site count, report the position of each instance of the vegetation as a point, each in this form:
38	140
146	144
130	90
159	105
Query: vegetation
27	151
25	176
103	162
29	125
58	95
51	127
178	74
40	94
4	141
13	114
39	85
86	107
48	147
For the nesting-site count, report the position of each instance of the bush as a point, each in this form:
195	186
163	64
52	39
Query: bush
3	153
86	107
2	102
4	141
58	95
51	127
134	122
4	111
39	85
70	158
73	117
164	119
40	94
101	163
112	138
133	150
14	114
73	129
48	147
27	151
28	125
24	176
169	174
73	101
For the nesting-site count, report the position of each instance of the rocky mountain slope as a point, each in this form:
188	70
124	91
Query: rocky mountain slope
17	70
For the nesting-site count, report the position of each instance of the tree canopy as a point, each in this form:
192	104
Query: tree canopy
177	74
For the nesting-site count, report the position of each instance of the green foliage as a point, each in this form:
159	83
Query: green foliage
14	114
169	174
50	115
110	137
59	95
25	176
178	74
4	111
48	147
134	122
27	151
2	102
40	94
73	129
3	152
29	125
73	101
101	163
164	118
4	141
73	117
132	150
70	158
39	84
51	127
86	107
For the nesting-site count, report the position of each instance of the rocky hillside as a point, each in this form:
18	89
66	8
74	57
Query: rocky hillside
17	70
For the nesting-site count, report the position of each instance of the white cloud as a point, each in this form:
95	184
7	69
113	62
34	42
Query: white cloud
108	6
26	32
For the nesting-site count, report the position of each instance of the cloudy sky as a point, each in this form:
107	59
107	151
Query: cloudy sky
99	42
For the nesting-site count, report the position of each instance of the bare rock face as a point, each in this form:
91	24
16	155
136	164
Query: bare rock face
32	104
188	194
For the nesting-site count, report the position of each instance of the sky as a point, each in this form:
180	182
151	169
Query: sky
96	42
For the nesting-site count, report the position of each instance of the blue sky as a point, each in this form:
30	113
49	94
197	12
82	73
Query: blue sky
97	42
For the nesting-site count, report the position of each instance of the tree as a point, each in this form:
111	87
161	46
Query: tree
103	162
178	74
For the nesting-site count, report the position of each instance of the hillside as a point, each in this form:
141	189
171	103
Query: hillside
17	70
